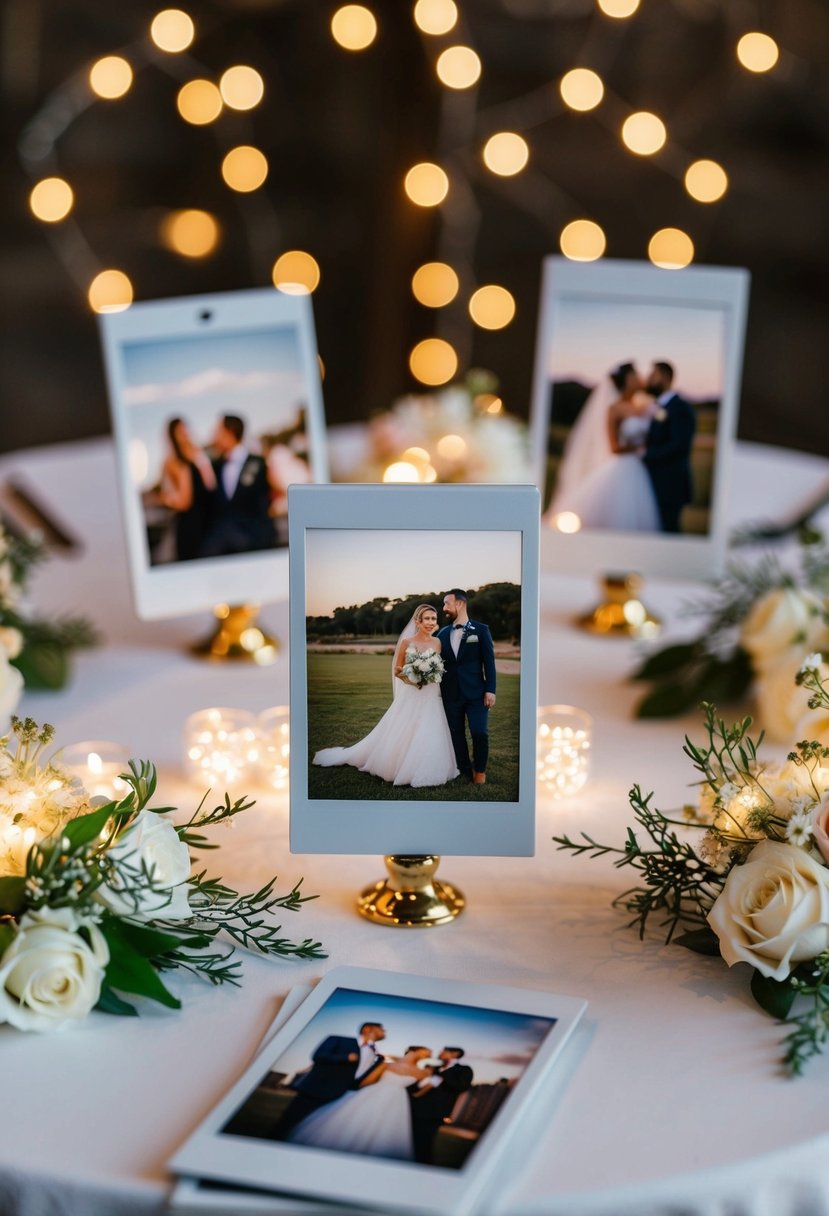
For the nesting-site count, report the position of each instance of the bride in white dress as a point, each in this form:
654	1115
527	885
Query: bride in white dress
603	479
374	1119
411	744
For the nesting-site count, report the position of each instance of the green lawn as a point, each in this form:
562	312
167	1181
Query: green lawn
349	693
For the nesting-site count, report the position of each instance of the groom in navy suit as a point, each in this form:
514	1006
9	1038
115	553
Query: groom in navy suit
668	447
468	685
338	1065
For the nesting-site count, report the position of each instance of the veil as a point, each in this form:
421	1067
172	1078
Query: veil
409	632
588	445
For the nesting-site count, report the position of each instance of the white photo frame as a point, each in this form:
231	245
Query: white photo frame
398	545
594	317
196	360
236	1143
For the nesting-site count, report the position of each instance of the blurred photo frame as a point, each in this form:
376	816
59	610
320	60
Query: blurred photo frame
509	1039
376	764
217	408
635	399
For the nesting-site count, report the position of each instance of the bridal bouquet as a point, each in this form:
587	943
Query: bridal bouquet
33	651
760	623
97	902
422	667
754	887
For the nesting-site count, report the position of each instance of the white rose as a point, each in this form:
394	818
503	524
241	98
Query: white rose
49	975
11	640
780	620
151	844
11	687
773	911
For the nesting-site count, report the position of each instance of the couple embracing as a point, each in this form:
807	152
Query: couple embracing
443	682
353	1099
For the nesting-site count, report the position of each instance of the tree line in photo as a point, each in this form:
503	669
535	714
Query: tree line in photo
499	604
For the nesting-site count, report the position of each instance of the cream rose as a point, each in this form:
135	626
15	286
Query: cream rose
820	827
11	640
49	974
11	687
773	911
149	844
781	703
780	620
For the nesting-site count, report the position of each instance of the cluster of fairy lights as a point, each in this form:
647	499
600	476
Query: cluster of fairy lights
505	154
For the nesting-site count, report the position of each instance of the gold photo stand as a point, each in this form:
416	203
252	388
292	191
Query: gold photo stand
238	637
411	897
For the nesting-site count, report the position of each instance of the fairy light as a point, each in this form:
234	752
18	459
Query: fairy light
671	249
581	89
191	233
434	284
51	199
244	168
506	153
492	307
401	470
426	184
110	291
644	133
567	522
199	102
582	241
241	87
110	77
433	361
436	16
458	67
706	181
354	27
296	273
452	447
757	52
618	8
172	30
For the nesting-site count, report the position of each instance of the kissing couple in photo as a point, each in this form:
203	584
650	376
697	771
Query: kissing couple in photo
627	460
353	1099
442	680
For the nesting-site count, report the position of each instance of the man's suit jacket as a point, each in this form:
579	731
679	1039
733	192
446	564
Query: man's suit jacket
332	1073
472	673
668	455
439	1101
242	522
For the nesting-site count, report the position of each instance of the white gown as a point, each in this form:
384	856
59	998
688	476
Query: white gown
375	1120
410	745
619	493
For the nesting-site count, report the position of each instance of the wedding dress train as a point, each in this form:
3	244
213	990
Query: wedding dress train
619	493
375	1120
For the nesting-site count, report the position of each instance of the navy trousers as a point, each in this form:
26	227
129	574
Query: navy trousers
458	713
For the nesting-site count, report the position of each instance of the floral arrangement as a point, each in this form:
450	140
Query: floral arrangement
760	623
422	667
97	902
755	887
33	651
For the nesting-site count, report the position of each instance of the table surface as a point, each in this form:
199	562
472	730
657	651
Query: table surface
671	1091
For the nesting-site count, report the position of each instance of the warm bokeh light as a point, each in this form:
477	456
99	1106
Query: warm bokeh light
435	16
244	168
417	455
618	8
172	30
296	273
488	403
354	27
110	77
434	284
582	241
452	447
199	102
706	181
492	307
506	153
401	470
458	67
241	87
757	52
566	521
51	199
110	291
433	361
644	133
426	184
192	233
581	89
671	248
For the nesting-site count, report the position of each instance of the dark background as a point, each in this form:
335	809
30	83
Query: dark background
340	130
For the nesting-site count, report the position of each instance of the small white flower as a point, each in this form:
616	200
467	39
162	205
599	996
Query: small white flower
812	662
799	829
727	792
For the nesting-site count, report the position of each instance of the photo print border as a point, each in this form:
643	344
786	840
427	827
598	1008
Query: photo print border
418	825
625	284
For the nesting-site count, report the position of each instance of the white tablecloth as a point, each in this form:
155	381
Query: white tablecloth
671	1098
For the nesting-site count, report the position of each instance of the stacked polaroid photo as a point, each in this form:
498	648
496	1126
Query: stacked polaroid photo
380	1092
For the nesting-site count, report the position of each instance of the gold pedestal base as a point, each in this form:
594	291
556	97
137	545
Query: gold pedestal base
237	636
622	614
411	897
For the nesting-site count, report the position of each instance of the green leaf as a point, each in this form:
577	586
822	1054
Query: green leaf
774	996
12	892
701	941
109	1002
667	662
143	940
43	665
724	680
129	971
85	828
7	936
667	701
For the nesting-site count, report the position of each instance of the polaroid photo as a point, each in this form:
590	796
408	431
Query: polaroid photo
392	1091
635	400
217	408
414	642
